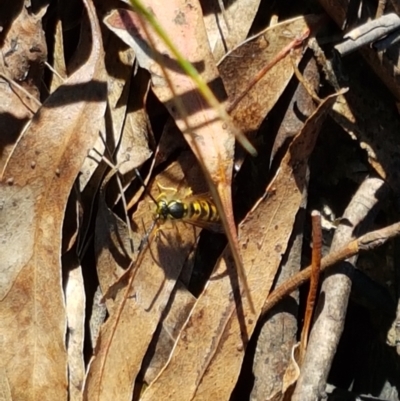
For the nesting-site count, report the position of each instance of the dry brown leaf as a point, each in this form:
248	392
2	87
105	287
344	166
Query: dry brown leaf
119	62
134	149
278	329
181	303
207	135
137	309
240	16
240	66
115	23
34	189
22	65
112	246
207	358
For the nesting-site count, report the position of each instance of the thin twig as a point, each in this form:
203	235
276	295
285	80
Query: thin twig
364	243
314	280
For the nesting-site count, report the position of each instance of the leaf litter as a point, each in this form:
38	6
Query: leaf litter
177	312
35	184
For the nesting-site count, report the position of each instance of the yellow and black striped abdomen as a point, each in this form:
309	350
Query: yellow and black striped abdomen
195	210
202	209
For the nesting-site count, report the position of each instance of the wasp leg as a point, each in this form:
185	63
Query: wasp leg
161	227
163	189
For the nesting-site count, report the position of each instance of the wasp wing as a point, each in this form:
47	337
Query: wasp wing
216	227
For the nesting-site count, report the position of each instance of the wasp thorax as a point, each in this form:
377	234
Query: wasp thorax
173	209
176	209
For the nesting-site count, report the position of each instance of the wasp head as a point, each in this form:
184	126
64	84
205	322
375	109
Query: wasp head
162	210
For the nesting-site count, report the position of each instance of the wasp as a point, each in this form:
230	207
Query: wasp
198	210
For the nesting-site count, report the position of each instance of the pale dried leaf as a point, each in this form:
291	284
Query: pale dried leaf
34	189
97	316
181	304
278	331
119	61
75	309
215	335
5	391
240	16
59	66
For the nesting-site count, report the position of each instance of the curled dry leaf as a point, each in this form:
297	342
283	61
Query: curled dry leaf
291	375
146	288
112	245
119	61
34	189
60	74
217	331
133	149
75	303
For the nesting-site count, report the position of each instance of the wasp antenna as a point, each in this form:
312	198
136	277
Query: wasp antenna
139	176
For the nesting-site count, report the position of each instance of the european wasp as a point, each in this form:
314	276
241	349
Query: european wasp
195	209
198	210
